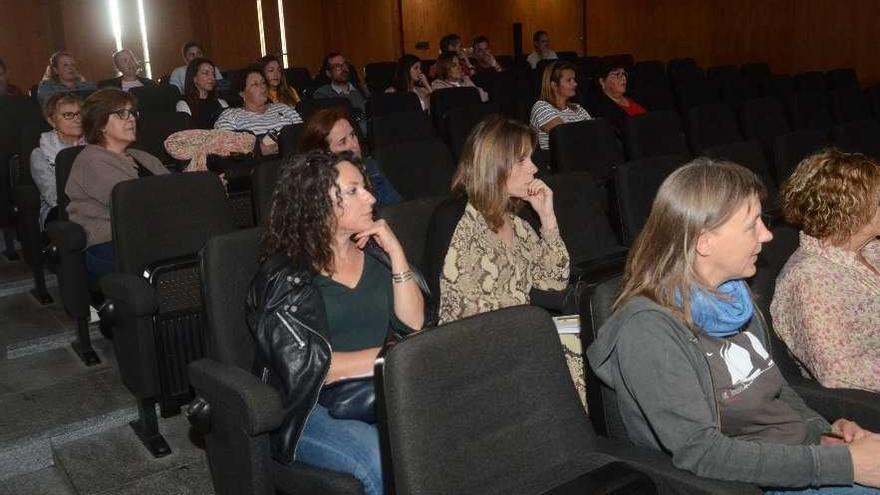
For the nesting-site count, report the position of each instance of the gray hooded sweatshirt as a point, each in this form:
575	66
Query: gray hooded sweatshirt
666	399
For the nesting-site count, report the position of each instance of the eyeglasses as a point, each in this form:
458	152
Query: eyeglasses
124	113
70	115
619	74
338	66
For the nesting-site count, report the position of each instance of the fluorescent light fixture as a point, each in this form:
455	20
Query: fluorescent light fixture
115	22
283	33
262	32
142	19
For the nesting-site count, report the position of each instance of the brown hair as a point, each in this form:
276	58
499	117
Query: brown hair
97	108
285	93
491	150
552	75
832	194
52	103
51	74
318	127
444	63
698	197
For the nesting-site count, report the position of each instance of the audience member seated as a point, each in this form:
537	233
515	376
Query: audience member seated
6	88
483	55
109	122
258	116
332	287
493	258
61	76
128	66
687	356
556	106
200	94
449	75
452	43
63	111
190	51
612	103
335	67
330	129
827	302
542	51
409	78
279	90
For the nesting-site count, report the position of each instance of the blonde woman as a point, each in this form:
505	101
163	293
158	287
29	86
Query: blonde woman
61	76
558	89
481	254
827	301
685	350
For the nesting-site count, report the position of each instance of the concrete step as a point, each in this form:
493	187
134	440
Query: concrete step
16	277
114	462
24	321
47	481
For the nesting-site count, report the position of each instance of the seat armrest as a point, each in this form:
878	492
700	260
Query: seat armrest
67	236
133	291
238	393
613	478
26	197
861	406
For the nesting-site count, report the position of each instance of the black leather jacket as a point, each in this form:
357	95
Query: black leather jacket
286	315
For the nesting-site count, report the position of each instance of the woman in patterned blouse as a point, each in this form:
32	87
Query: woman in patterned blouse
827	301
493	258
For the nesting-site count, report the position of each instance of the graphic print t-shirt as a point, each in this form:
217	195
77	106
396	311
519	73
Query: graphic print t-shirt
747	387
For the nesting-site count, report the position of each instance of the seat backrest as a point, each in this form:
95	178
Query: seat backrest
288	139
750	155
808	110
789	149
595	308
155	127
299	78
809	81
580	213
763	119
781	86
849	105
306	108
152	99
28	141
711	125
442	100
653	134
729	83
636	183
384	103
756	77
379	75
505	406
682	68
837	79
647	74
862	136
654	99
418	169
692	92
400	127
63	163
462	120
588	146
263	181
229	263
409	221
166	216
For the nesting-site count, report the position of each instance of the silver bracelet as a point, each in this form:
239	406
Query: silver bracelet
399	278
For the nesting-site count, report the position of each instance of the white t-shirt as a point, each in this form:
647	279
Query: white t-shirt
536	57
127	85
178	77
276	116
183	106
543	112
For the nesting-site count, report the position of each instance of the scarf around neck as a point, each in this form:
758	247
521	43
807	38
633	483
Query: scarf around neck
722	314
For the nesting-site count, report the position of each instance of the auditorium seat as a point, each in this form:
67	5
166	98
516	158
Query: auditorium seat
399	128
379	75
813	81
750	155
588	73
418	169
154	297
263	181
683	68
571	56
462	120
838	79
849	105
306	108
299	78
763	119
654	99
711	125
756	77
586	146
430	405
154	128
409	221
635	184
729	84
862	136
873	95
624	60
647	74
693	92
445	99
156	99
789	149
288	139
384	103
653	134
808	110
242	409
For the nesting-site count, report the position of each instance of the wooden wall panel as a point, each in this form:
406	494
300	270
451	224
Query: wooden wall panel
233	35
89	37
169	26
304	24
25	42
363	31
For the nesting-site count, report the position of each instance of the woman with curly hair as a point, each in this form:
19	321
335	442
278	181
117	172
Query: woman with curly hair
334	284
827	301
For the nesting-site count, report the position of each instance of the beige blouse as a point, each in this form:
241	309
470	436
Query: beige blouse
481	274
826	308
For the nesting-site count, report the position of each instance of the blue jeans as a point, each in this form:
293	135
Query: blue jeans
99	260
827	490
344	445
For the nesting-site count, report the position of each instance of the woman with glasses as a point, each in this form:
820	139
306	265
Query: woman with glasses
109	123
612	103
63	112
556	106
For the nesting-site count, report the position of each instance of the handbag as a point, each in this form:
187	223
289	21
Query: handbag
350	398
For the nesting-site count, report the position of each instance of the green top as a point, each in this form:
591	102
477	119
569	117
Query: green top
359	317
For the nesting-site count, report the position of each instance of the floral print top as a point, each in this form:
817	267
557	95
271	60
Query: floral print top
480	273
826	308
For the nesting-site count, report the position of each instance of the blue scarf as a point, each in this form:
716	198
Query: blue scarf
721	316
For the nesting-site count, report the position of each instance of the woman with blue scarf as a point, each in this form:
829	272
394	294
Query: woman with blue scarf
686	350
